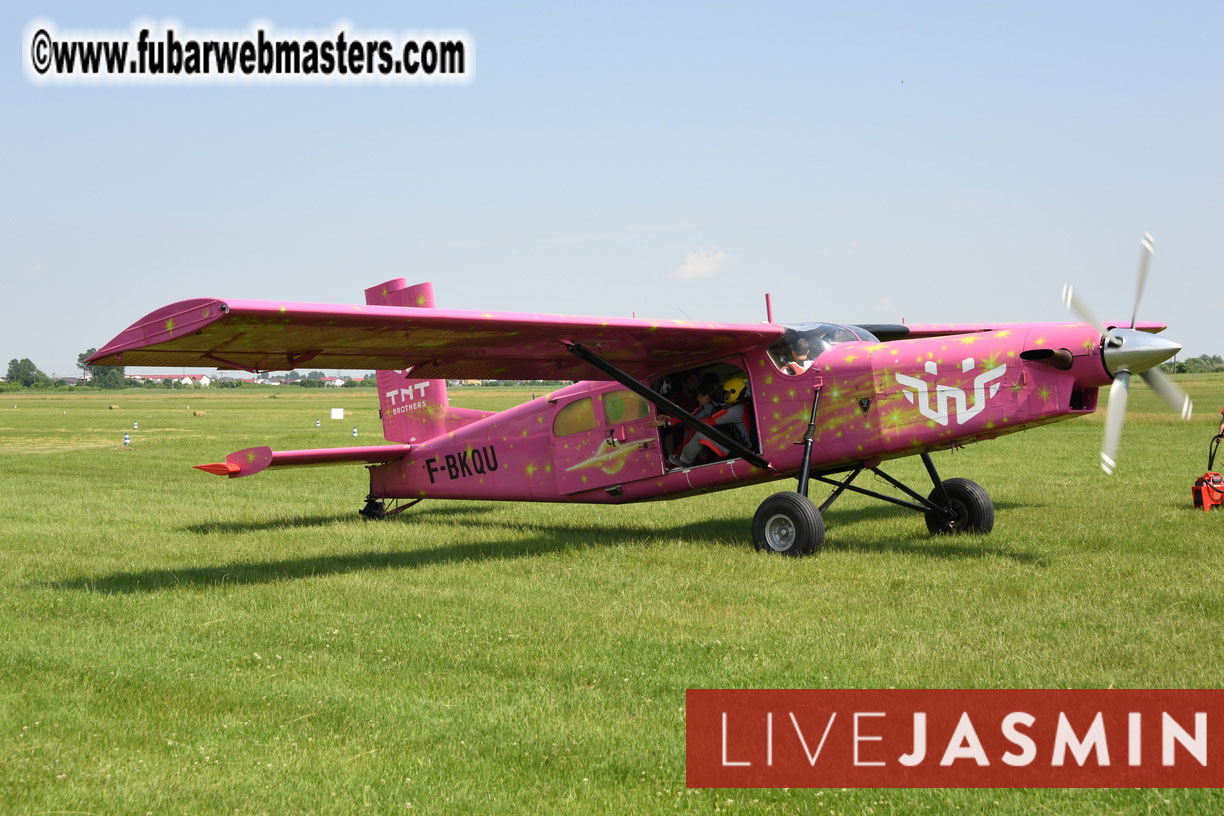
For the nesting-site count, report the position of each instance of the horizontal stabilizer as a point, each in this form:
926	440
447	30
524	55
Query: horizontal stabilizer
250	461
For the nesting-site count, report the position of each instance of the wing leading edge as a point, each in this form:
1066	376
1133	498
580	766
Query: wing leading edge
272	336
901	331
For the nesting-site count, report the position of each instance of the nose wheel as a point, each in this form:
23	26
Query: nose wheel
969	509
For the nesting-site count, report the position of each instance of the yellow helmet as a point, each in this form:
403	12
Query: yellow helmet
735	387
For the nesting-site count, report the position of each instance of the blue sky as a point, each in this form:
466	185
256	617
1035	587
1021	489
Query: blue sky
862	162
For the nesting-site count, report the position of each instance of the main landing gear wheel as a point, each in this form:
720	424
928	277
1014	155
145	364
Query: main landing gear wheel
788	524
971	510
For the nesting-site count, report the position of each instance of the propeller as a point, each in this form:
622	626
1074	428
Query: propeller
1126	352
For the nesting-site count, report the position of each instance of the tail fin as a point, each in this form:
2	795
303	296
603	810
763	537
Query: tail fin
413	410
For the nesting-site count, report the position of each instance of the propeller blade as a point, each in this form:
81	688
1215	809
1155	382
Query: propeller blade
1076	304
1145	257
1114	417
1168	391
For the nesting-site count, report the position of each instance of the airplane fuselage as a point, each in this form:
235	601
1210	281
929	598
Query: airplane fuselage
595	441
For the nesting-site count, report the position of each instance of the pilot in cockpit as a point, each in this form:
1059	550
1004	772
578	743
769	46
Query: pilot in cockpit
800	357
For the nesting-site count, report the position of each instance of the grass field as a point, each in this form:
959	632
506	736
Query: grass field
175	642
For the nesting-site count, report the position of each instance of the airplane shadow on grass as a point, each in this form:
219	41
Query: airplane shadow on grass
548	538
328	519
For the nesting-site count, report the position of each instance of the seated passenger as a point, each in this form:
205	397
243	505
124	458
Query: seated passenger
686	397
800	358
719	409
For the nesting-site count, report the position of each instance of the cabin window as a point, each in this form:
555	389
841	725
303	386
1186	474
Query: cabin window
802	343
574	418
624	406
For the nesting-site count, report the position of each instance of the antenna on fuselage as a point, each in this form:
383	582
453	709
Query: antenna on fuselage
768	309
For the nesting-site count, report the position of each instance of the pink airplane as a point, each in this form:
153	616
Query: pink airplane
668	408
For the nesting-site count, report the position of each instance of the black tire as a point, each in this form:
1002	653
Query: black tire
972	509
788	524
374	510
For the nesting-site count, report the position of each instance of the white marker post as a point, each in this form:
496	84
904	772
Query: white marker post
317	424
354	431
135	426
127	439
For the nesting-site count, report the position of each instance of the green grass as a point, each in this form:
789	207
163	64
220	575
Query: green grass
174	642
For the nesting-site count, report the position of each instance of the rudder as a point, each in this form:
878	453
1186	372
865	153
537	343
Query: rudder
413	410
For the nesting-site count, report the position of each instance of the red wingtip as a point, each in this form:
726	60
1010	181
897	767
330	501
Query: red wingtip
219	468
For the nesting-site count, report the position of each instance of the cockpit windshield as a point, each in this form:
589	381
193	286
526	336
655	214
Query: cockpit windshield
802	343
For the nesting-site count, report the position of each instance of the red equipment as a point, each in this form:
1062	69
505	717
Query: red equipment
1208	490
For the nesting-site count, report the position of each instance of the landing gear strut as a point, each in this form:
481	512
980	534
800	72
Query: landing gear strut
375	508
790	524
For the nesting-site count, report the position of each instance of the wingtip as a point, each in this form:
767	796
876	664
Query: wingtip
219	468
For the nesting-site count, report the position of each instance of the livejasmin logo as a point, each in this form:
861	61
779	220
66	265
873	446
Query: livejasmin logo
966	745
952	738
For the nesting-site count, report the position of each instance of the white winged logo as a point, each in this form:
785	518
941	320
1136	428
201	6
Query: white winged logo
945	394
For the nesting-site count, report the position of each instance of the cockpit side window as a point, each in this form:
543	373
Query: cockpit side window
802	344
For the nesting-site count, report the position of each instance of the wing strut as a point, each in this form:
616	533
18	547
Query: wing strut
668	407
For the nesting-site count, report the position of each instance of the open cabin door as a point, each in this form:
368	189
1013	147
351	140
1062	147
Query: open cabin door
604	439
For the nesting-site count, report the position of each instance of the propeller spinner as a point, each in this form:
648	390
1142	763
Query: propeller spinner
1126	352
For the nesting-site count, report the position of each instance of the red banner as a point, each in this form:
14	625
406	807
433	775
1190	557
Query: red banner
955	738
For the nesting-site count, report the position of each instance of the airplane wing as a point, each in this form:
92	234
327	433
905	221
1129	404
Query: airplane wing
910	331
272	336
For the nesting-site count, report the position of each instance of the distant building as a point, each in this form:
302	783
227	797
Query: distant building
203	380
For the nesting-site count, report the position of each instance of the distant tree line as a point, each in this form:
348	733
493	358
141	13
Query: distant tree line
525	383
100	376
24	373
1203	364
